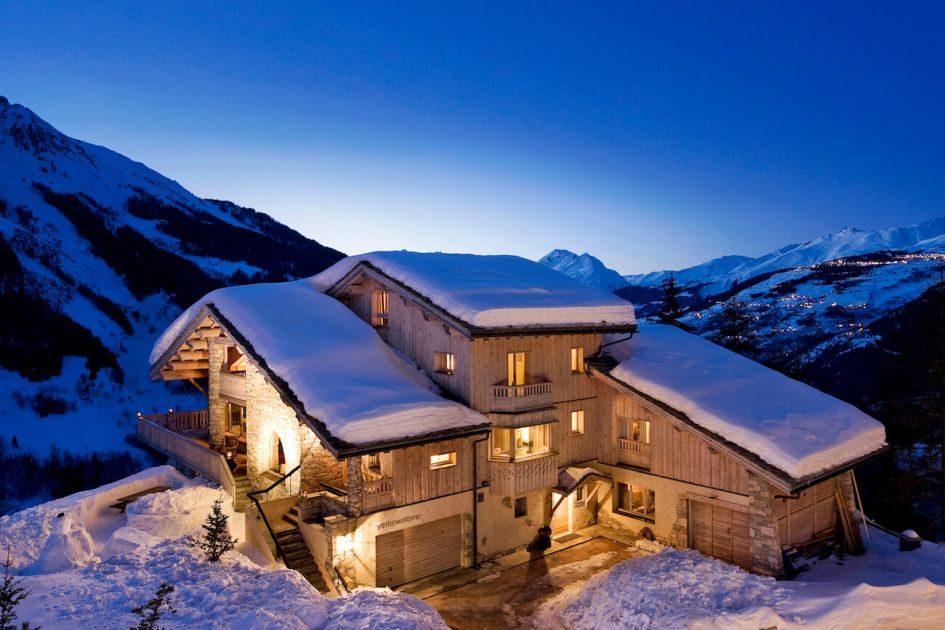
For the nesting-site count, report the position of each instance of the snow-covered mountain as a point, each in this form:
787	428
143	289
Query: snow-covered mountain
585	268
97	254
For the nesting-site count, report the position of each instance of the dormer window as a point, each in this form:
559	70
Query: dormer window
380	309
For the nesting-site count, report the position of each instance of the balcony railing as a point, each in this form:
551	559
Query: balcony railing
513	398
378	495
510	479
181	421
634	453
233	385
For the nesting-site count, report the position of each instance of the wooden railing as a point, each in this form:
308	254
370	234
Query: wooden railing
233	385
516	478
378	494
634	453
202	460
180	421
521	397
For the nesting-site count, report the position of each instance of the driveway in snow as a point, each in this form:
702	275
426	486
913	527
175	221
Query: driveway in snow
509	598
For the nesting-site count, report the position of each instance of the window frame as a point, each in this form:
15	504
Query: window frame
577	360
522	511
444	363
578	415
648	504
449	462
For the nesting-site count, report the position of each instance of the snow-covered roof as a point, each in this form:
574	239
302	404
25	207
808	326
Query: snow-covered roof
493	291
570	478
335	365
791	426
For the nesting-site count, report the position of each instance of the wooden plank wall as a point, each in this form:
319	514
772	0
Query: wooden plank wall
413	480
812	514
679	454
419	335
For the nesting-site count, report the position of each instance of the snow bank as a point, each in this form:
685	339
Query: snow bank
333	362
790	425
26	532
492	291
670	589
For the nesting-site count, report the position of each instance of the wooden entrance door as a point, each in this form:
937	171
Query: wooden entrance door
561	519
416	552
719	532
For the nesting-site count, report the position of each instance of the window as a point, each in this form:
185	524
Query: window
374	462
443	460
444	362
634	430
521	507
580	496
237	414
512	444
577	422
577	360
380	309
636	500
516	368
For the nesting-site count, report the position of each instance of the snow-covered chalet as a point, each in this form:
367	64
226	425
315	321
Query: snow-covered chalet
401	414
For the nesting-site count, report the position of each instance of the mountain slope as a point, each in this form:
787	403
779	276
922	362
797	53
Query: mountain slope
585	268
98	253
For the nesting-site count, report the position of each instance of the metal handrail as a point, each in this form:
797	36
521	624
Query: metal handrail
252	497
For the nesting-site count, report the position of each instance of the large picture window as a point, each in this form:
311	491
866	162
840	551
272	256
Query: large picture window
636	500
513	444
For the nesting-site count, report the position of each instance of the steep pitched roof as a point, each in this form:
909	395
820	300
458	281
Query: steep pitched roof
491	292
788	425
327	364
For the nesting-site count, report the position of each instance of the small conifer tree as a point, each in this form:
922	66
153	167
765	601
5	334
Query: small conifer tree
670	310
151	612
12	592
216	539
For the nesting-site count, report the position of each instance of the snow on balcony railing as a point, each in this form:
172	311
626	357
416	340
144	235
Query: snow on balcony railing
521	397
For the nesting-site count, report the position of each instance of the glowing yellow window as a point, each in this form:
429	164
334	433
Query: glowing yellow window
577	422
443	460
577	360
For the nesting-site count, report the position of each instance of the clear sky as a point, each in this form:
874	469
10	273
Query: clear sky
651	136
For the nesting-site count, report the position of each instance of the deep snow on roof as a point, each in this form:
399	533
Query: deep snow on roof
334	363
493	291
792	426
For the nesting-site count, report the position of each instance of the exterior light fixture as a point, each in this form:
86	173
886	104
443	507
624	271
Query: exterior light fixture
344	545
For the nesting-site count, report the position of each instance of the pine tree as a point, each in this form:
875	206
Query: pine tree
734	324
151	612
670	310
12	592
216	540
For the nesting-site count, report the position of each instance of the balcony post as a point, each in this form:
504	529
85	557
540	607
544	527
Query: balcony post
216	406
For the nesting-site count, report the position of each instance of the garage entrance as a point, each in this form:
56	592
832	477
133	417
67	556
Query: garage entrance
415	552
719	532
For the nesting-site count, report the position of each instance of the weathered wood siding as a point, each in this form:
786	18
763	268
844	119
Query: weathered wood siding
677	453
418	334
812	514
413	480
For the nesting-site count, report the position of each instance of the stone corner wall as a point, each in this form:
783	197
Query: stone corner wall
763	529
216	406
679	535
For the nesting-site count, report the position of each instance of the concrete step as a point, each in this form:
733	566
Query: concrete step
291	519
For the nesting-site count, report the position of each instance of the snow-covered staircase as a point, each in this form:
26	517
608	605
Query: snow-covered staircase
240	501
296	554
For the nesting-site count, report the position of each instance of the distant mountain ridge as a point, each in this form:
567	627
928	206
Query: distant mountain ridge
99	252
585	268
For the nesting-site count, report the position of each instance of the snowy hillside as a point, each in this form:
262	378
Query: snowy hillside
85	562
585	268
99	253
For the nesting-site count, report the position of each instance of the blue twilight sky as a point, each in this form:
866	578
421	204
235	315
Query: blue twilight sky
652	135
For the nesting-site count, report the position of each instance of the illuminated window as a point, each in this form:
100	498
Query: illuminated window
443	460
512	444
577	422
380	309
516	361
577	360
521	507
374	462
634	430
444	362
636	501
580	496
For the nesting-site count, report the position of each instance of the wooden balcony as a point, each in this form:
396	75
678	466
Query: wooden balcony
516	398
378	495
633	453
509	479
233	385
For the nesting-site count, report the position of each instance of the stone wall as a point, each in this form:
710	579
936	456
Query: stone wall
679	535
763	528
216	406
355	486
318	464
268	419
